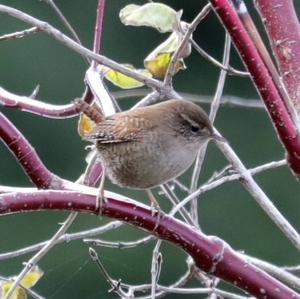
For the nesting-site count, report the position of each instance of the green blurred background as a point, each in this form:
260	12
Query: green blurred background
228	212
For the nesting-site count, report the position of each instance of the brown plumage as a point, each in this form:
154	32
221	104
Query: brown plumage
148	146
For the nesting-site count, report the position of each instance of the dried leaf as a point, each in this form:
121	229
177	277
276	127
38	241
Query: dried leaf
156	15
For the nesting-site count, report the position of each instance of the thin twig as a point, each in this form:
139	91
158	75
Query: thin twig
115	285
187	291
19	34
119	244
155	268
212	115
280	273
231	70
227	100
214	184
35	259
68	42
30	292
184	43
180	185
292	268
64	238
64	20
175	200
258	194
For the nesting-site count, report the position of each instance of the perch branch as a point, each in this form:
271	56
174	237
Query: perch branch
210	254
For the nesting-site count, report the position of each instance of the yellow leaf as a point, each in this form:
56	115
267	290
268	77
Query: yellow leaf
18	293
124	81
158	60
29	280
32	277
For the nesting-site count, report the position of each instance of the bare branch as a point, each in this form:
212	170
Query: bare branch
35	259
64	238
212	115
19	34
115	285
68	42
186	39
119	244
231	70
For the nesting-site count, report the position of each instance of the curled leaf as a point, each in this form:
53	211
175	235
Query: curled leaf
158	60
124	81
156	15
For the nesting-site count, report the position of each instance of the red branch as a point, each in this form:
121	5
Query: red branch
98	26
283	29
10	100
286	129
26	155
210	254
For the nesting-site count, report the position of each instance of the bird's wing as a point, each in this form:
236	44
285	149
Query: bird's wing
117	129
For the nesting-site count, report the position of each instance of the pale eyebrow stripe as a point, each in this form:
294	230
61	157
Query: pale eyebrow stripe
192	122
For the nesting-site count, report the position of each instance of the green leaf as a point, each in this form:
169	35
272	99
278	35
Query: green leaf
156	15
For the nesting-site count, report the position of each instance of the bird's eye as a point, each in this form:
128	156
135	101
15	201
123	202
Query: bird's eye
195	129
